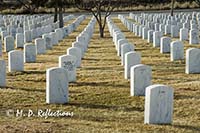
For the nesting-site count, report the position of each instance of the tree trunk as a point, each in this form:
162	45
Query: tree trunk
61	23
172	7
101	31
55	15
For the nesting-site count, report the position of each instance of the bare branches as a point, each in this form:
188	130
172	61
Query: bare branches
198	2
27	6
99	9
31	5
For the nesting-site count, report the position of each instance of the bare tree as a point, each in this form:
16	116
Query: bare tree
8	5
32	5
172	7
100	9
58	6
198	2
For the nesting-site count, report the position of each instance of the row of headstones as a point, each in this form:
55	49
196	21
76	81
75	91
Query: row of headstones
19	23
17	58
24	20
176	30
187	20
27	37
158	98
180	17
35	25
58	78
175	48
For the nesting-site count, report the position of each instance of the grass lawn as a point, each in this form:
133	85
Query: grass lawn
100	99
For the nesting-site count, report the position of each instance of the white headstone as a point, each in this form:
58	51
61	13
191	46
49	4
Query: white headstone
3	35
125	48
59	33
19	40
140	30
48	41
34	33
68	62
56	86
162	28
176	50
9	43
40	46
137	30
118	36
174	31
29	53
194	36
80	46
150	36
156	26
158	104
165	44
141	77
145	33
192	61
156	38
131	58
183	34
27	36
167	29
120	43
1	52
55	39
77	53
2	73
15	61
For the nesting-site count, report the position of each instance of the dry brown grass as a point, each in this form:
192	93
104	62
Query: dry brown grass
100	99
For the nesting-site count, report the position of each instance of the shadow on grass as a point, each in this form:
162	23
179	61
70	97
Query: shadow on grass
193	128
96	37
179	97
26	72
91	59
108	107
114	68
101	84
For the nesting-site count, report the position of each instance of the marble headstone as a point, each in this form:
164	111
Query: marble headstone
15	61
131	58
158	104
194	36
40	46
176	50
19	40
192	61
183	34
124	49
9	43
68	62
165	44
56	86
156	38
2	73
29	53
77	53
141	77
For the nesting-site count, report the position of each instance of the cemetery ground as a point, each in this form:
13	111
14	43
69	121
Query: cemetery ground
100	99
